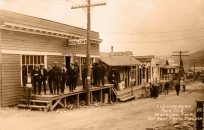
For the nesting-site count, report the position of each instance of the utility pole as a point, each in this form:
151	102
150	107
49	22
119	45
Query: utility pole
194	64
88	6
194	61
180	54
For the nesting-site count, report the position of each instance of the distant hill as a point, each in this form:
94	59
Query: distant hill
198	56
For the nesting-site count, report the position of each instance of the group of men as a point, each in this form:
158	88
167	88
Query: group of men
56	76
114	77
155	88
98	72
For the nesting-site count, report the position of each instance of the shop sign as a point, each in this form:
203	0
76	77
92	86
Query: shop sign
77	42
125	53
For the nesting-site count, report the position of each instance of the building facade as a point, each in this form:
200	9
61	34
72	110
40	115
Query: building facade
27	41
150	69
126	65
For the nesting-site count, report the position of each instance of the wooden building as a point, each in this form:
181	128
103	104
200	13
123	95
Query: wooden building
127	66
168	70
150	69
26	41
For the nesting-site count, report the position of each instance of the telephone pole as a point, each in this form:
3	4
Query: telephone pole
180	54
88	6
194	61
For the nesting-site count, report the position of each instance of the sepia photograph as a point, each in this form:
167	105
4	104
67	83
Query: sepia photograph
101	64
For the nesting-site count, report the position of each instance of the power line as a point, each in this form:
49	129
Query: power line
72	2
140	33
170	40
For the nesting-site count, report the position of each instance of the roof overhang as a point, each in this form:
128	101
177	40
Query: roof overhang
46	32
120	61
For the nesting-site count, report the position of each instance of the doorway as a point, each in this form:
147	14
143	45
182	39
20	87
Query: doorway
67	61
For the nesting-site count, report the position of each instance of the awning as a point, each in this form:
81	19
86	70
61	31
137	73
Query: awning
119	60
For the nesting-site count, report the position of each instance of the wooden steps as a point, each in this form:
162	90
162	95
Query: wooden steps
40	104
124	96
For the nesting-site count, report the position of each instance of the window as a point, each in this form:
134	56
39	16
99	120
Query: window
83	60
28	63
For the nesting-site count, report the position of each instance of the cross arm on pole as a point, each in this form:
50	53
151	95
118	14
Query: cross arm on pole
85	6
180	51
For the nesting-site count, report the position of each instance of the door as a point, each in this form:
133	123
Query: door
67	61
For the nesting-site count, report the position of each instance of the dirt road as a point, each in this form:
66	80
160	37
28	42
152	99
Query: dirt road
133	115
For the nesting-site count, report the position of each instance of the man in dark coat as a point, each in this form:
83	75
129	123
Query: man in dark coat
166	87
98	74
84	75
69	77
94	73
75	74
177	87
50	77
64	77
36	78
103	73
56	71
43	78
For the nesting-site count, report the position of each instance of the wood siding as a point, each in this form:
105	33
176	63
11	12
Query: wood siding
51	59
31	42
11	79
0	75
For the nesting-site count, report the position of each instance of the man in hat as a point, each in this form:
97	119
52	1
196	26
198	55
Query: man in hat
43	78
63	79
49	77
76	74
56	71
71	77
84	75
36	78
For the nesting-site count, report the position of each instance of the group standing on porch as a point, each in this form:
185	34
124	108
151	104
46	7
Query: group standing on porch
57	78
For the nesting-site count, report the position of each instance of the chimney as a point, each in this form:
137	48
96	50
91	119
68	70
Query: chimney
111	53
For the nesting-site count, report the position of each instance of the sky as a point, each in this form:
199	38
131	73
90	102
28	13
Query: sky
146	27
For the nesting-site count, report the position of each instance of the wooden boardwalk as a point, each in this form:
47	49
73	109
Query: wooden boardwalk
49	102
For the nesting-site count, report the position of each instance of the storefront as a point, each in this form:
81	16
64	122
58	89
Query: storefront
127	66
27	41
150	69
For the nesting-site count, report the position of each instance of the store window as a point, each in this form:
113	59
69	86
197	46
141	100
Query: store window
28	63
